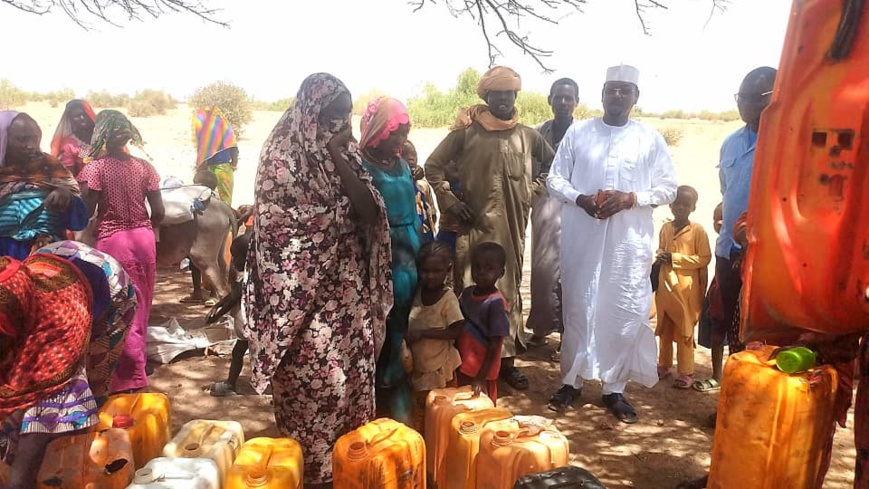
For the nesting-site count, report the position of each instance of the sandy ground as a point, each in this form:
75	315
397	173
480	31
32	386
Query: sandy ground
669	444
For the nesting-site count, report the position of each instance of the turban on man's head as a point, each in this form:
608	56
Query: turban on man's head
499	78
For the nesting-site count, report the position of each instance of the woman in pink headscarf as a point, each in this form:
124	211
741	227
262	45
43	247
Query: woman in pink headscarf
385	126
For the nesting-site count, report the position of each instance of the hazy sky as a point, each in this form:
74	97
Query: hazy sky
271	45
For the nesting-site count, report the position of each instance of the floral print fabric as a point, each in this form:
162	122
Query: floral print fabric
319	285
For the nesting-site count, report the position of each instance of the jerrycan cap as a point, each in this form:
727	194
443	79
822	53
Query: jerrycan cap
795	360
502	439
145	476
357	451
257	478
122	421
468	427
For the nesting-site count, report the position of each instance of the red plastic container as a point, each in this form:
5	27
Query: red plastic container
807	264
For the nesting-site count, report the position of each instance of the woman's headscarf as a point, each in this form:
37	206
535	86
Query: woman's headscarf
111	124
48	303
299	193
45	173
64	127
6	118
212	133
381	118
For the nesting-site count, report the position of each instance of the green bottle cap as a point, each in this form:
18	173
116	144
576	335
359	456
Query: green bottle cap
795	360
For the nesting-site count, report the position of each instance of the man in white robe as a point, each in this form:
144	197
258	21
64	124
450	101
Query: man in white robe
609	172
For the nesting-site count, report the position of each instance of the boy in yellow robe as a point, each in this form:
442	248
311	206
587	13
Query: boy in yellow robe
684	255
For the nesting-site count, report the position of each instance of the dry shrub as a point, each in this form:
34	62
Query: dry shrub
149	103
672	135
232	100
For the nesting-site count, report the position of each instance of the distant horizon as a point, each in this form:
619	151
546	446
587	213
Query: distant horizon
185	100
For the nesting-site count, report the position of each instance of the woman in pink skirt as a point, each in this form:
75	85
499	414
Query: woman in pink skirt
120	184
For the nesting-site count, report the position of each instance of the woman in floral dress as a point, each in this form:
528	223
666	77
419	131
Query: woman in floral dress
319	285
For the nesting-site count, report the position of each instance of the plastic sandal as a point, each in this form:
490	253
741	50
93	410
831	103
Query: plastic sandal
621	408
708	385
564	398
684	382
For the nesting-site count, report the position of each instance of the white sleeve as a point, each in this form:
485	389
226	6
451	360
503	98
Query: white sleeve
561	171
664	184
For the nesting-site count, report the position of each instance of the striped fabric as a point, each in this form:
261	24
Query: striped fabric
22	216
212	133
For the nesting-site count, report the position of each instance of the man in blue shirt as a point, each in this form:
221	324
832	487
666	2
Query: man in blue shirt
735	168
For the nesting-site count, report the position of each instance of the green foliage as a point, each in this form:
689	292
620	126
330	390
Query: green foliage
673	114
58	97
282	104
149	103
10	95
533	108
105	100
730	115
582	112
705	115
438	109
232	100
672	135
276	106
360	102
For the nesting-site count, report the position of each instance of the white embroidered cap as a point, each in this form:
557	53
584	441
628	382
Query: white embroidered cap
623	73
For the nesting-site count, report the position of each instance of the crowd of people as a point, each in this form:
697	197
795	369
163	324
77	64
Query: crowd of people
354	295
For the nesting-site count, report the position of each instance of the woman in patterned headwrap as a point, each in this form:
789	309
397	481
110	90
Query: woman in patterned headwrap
319	284
72	138
385	125
39	197
120	184
216	148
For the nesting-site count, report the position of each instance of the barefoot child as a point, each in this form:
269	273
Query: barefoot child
486	321
232	303
435	322
684	255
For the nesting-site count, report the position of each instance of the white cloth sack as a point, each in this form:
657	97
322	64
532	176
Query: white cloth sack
167	341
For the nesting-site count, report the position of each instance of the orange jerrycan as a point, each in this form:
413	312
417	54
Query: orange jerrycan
204	438
807	263
508	455
267	463
146	419
459	468
91	460
440	408
383	454
771	427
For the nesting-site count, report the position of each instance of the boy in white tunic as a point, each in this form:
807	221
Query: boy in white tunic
610	172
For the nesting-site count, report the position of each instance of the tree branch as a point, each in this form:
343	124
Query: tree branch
81	11
500	12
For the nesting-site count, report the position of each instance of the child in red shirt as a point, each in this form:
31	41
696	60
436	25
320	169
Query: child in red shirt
487	321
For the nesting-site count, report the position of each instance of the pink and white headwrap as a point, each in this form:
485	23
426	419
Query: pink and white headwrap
382	117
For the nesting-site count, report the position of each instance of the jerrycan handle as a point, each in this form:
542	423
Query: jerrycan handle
264	461
381	437
466	396
196	446
136	399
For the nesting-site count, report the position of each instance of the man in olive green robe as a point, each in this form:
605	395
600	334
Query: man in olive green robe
494	155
